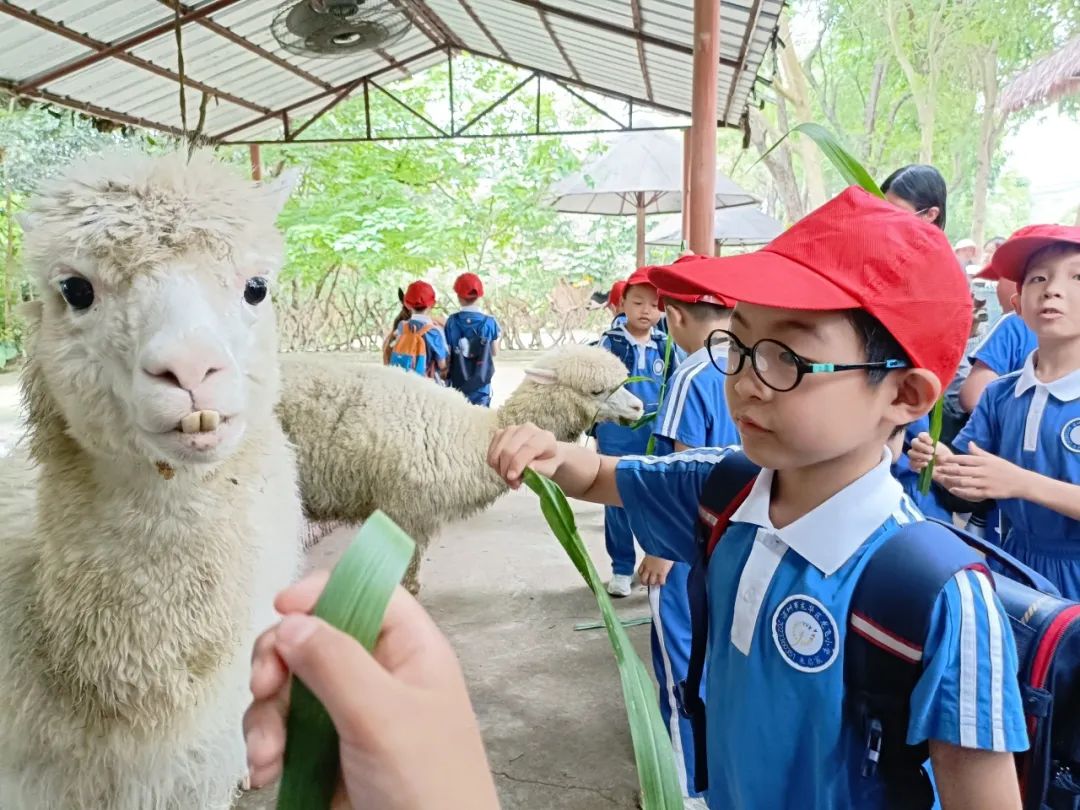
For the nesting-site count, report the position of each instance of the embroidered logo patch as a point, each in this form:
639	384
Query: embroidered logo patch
805	634
1070	435
658	366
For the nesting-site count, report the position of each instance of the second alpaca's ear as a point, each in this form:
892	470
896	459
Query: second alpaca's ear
401	296
279	189
543	376
26	220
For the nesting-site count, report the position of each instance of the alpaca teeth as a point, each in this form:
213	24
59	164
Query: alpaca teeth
209	420
191	423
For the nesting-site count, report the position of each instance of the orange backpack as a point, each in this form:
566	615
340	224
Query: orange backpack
410	350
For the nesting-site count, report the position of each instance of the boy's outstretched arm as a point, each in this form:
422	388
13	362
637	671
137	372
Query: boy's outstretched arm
579	471
972	779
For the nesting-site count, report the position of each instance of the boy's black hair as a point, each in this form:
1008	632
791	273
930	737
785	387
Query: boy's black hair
1052	251
922	186
879	342
698	311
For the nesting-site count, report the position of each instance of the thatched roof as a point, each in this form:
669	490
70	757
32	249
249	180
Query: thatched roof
1047	80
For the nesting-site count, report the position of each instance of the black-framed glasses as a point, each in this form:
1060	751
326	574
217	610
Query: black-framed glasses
775	364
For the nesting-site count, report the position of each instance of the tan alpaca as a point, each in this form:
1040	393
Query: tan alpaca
380	438
139	551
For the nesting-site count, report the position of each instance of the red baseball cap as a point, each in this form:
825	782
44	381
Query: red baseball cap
420	295
639	276
702	294
988	273
855	252
616	294
468	285
1011	259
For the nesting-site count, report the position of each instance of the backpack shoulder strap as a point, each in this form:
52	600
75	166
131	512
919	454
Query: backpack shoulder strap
888	623
725	489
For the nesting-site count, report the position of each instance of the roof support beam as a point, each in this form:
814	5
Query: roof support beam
319	96
483	27
236	39
436	22
337	99
562	51
703	129
635	8
104	51
91	109
744	53
613	28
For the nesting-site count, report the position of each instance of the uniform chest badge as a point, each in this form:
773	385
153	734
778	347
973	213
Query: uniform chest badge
805	634
1070	435
658	366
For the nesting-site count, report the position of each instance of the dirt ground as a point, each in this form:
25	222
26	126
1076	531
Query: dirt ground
502	589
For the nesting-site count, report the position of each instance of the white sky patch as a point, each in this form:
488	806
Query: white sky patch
1044	150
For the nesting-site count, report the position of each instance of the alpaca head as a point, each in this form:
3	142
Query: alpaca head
155	338
569	388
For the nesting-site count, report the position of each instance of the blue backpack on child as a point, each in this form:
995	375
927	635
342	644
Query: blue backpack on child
471	366
888	622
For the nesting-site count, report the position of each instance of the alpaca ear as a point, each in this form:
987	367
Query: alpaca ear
543	376
279	189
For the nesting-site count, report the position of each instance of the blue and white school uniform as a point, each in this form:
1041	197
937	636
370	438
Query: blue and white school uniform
1034	425
778	733
928	504
694	413
471	321
1006	346
641	360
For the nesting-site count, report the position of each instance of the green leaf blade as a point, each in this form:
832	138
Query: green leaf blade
926	477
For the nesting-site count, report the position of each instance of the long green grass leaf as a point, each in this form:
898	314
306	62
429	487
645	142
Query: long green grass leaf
652	748
936	419
849	168
354	601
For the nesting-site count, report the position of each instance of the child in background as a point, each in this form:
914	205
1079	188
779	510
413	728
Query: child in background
472	337
847	328
640	346
1022	443
693	414
419	345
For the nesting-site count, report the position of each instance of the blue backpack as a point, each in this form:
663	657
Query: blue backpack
888	622
471	366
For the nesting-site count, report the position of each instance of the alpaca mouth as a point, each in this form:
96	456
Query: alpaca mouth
200	432
201	422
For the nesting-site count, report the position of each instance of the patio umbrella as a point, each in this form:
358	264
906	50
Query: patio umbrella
737	227
640	174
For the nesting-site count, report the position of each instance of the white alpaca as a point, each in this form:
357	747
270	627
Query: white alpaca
156	513
379	438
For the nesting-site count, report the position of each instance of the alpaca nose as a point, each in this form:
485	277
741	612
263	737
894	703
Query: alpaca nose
186	369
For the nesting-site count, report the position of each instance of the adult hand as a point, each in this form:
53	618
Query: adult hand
408	737
923	449
524	446
654	570
982	476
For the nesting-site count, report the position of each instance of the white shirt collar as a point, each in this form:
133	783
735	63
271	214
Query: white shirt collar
1065	389
421	318
471	308
828	535
698	357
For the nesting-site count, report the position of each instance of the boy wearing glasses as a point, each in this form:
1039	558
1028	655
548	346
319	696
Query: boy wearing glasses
848	327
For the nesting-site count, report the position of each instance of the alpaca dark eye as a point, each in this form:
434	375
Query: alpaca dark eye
255	290
78	292
599	393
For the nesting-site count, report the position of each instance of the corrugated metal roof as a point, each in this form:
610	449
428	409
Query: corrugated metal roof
118	58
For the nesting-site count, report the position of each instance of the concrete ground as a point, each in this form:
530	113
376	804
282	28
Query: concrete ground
548	697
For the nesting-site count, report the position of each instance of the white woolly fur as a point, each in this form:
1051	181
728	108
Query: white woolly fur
135	570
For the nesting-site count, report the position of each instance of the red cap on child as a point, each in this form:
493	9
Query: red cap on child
692	263
639	276
420	295
616	294
855	252
1011	259
468	285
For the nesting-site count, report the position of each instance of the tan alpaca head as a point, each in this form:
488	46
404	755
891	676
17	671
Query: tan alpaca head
155	335
592	376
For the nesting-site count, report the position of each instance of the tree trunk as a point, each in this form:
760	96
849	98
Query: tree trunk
989	130
9	265
922	87
797	90
778	163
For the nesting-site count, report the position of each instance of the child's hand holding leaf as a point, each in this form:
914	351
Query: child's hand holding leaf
923	449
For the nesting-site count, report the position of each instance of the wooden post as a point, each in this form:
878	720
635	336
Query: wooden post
703	129
256	162
686	191
639	201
